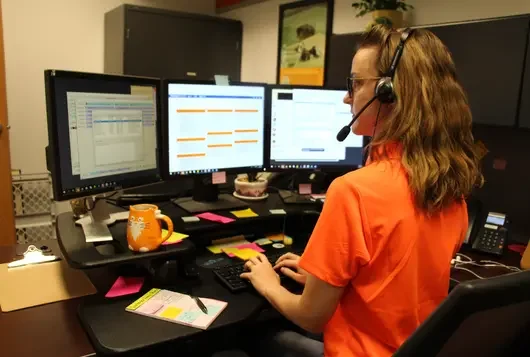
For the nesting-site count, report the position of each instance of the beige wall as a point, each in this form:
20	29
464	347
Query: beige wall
60	34
260	23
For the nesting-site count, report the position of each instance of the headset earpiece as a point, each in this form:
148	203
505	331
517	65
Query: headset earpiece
384	89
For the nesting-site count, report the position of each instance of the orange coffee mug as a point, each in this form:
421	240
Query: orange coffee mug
144	230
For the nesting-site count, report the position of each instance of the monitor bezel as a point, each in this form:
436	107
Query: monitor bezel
166	174
53	150
327	168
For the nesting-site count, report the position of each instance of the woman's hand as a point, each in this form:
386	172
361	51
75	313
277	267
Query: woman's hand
261	274
288	265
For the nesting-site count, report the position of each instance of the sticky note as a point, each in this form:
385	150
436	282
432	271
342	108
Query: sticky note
252	246
125	286
218	178
230	251
190	316
277	211
304	189
190	219
218	248
222	80
246	213
213	309
215	217
175	237
276	237
263	241
246	254
171	312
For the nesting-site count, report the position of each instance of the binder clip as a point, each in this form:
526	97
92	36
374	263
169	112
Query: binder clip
32	256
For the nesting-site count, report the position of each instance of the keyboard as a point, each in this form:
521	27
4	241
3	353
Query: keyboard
229	274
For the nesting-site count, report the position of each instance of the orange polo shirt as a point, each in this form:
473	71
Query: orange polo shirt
391	258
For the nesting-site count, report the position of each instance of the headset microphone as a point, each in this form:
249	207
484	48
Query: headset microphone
345	131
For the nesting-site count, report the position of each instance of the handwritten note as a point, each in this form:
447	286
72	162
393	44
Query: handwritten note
190	219
246	213
276	237
246	254
263	241
215	217
252	246
175	237
218	248
219	178
304	189
125	286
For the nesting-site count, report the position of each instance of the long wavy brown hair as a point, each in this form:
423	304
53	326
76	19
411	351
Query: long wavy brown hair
431	119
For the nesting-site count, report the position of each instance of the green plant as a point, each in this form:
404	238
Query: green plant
365	6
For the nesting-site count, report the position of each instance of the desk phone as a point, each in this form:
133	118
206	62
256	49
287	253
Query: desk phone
492	234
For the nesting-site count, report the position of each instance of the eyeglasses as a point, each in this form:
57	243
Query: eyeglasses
350	81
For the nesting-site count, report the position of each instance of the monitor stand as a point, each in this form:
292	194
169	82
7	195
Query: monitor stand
206	198
95	224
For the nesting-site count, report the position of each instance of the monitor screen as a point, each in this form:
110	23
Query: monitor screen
102	132
304	126
215	128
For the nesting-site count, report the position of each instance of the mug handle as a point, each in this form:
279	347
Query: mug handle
169	223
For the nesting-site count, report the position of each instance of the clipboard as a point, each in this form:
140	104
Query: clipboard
35	281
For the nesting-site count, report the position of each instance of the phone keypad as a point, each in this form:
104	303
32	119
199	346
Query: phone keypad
491	241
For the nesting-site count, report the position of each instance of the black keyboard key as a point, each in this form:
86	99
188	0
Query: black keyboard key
229	274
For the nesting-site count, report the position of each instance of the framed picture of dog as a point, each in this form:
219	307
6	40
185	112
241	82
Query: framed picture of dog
304	31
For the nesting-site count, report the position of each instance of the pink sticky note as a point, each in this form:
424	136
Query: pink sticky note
125	286
252	246
215	217
304	189
219	178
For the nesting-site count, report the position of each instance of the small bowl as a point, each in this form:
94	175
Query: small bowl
256	188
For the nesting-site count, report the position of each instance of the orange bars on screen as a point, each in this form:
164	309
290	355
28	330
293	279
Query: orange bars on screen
246	130
220	145
191	110
191	155
220	133
246	141
190	139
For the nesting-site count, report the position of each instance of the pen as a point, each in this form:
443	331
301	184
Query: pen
200	304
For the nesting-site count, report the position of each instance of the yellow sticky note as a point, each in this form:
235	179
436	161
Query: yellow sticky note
246	253
230	250
171	312
246	213
276	237
175	237
218	248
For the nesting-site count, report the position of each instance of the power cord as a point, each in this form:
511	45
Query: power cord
461	261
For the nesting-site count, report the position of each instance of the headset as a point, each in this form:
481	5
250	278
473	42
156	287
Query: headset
384	89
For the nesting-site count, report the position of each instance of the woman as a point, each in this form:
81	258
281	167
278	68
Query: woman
378	261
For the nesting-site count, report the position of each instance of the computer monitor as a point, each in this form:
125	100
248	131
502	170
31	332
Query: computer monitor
303	127
103	133
210	129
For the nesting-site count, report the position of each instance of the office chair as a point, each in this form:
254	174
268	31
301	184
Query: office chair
480	318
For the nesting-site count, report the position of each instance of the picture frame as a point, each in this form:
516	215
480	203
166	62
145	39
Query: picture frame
304	29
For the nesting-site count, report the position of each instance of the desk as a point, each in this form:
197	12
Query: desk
56	329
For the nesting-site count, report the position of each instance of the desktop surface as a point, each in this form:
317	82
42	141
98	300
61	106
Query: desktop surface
68	337
304	124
